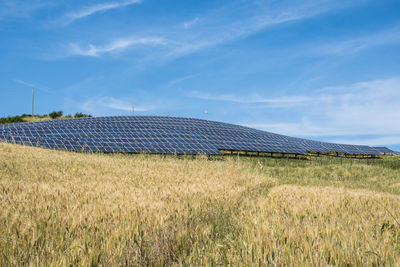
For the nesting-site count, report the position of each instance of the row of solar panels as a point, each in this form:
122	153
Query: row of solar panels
180	146
162	135
386	151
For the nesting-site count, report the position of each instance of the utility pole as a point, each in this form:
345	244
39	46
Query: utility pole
133	110
33	100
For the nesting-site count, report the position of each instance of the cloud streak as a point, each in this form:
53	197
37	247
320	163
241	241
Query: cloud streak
255	99
35	86
114	46
100	105
182	79
212	31
357	44
21	8
25	83
364	109
190	23
91	10
362	113
265	14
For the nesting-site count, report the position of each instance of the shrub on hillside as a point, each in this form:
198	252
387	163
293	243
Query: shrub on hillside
9	119
56	114
81	115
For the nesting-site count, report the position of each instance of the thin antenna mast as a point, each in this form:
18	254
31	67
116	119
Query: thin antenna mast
33	100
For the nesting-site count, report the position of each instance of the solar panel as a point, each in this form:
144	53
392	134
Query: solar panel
153	134
385	150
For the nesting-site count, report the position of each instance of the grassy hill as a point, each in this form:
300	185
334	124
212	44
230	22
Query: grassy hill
30	118
65	208
40	118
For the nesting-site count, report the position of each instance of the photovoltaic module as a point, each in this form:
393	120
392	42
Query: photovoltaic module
164	135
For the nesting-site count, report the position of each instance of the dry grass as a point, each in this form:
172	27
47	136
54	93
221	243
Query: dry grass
34	118
44	118
62	208
324	226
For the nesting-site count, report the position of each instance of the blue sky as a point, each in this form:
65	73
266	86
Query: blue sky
321	69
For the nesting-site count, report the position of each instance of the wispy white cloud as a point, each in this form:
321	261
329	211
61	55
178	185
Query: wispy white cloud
360	109
190	23
35	86
114	46
21	8
214	30
310	127
356	44
90	10
103	105
24	83
182	79
343	114
266	14
255	98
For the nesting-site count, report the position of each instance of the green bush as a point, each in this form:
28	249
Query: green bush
56	114
9	119
81	115
52	115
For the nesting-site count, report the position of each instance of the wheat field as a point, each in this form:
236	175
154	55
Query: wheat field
62	208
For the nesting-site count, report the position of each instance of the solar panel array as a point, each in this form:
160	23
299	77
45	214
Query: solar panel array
385	150
153	134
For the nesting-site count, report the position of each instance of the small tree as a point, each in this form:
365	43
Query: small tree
56	114
81	115
14	119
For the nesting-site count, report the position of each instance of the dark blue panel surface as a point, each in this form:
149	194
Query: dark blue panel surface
385	150
151	134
